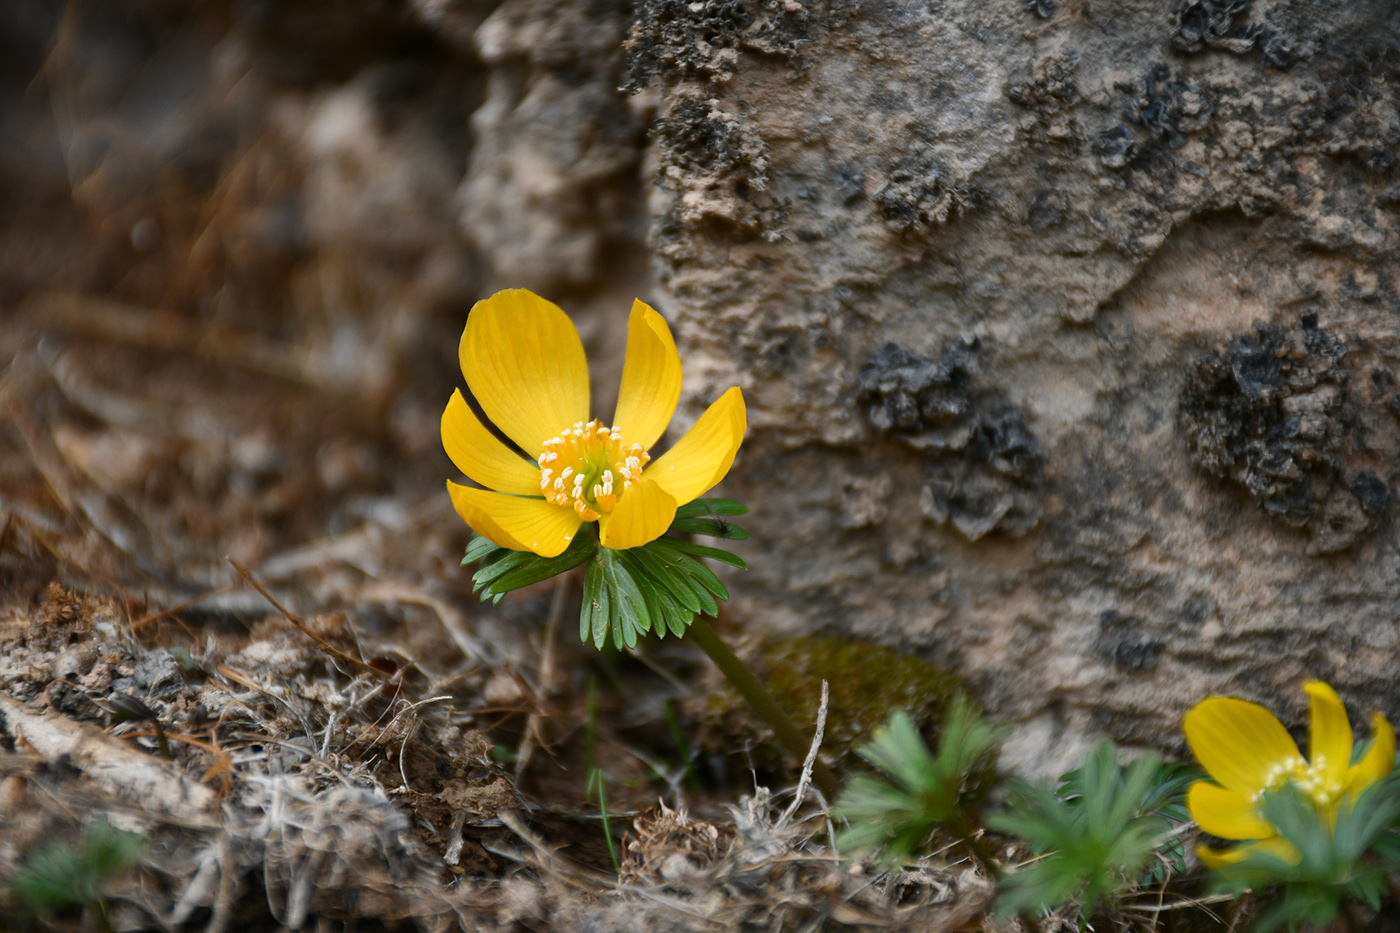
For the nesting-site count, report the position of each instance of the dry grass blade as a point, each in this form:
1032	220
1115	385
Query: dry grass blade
354	662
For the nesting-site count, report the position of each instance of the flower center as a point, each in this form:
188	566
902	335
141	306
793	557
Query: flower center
1311	779
588	468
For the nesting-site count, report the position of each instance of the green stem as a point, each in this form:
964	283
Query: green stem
788	735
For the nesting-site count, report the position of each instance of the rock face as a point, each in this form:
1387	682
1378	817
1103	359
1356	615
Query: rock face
1069	329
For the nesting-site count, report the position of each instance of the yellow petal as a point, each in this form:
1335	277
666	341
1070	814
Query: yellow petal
651	378
702	457
515	522
643	514
1219	858
1379	758
481	456
1276	846
1225	813
1238	742
525	365
1330	742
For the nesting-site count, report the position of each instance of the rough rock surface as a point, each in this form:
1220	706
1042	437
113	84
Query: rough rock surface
1096	523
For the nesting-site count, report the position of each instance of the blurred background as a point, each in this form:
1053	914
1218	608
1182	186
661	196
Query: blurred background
238	243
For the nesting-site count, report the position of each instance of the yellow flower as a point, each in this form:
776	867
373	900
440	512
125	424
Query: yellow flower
1248	752
524	362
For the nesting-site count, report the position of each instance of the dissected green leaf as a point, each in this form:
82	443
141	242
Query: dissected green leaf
666	614
1096	833
921	790
658	587
660	570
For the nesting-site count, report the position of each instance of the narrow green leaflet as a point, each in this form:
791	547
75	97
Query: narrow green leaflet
714	553
707	517
504	570
658	587
597	607
478	548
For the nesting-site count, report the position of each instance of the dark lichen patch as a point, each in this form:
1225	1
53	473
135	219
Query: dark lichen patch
993	483
1122	641
1049	94
680	38
1052	84
909	394
915	194
699	137
1357	115
1169	108
721	163
1198	24
1272	413
1047	209
983	463
1116	147
1223	24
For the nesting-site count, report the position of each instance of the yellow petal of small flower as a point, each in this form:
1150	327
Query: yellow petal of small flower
1225	813
524	362
1276	846
1219	858
516	522
651	378
1240	744
1329	749
642	515
1379	758
702	457
481	456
